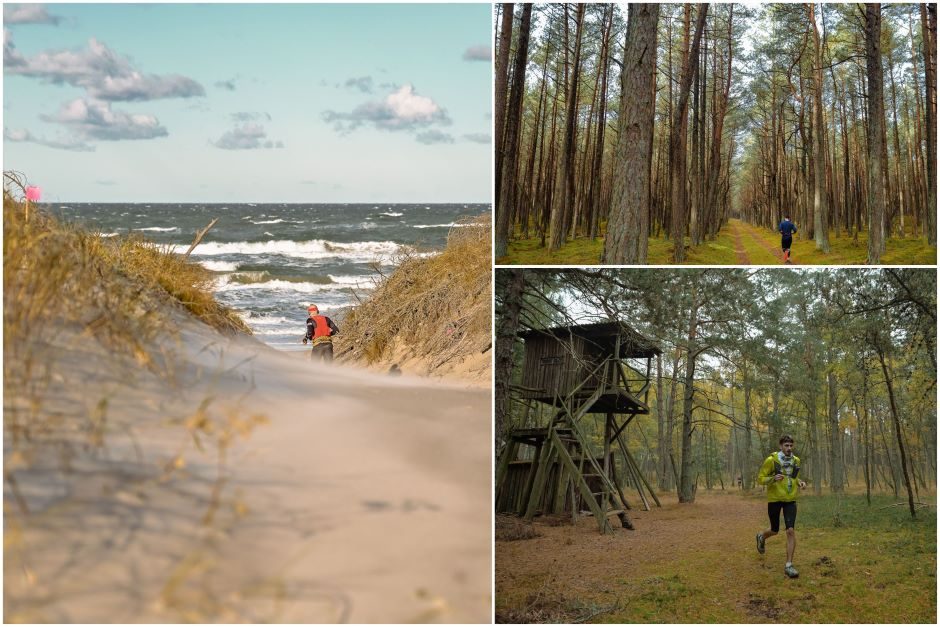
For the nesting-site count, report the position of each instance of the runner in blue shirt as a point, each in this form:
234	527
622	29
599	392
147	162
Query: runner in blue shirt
787	229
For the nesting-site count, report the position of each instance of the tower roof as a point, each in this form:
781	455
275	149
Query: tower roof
633	344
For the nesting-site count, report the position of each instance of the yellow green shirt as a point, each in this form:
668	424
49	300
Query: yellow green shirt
788	488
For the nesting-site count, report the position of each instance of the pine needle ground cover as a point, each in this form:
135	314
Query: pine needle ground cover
698	564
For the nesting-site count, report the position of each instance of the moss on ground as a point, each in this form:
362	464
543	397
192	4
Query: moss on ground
759	244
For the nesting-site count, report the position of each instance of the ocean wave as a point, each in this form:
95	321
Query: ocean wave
162	229
283	330
264	320
277	221
358	280
280	285
439	226
391	214
263	276
312	249
219	266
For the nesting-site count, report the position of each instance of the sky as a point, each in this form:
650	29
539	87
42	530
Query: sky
249	102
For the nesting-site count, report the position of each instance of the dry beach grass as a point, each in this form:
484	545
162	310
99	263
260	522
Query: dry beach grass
432	315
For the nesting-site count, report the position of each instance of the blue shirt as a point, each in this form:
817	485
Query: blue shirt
787	228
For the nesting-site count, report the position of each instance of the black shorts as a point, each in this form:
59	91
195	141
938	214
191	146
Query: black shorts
786	241
789	514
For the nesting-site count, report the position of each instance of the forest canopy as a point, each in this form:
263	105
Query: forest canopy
741	114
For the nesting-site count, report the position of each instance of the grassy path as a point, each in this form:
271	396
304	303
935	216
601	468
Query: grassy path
737	243
698	563
759	239
743	259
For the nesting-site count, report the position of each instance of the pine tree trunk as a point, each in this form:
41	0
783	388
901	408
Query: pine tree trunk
897	428
835	438
821	200
502	87
509	197
628	224
928	15
686	478
677	142
563	204
876	117
507	323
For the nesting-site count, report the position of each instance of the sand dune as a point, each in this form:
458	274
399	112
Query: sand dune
301	493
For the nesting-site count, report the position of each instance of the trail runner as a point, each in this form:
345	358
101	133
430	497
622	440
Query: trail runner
786	229
320	331
779	473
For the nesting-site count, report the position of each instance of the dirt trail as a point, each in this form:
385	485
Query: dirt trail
710	543
743	258
749	231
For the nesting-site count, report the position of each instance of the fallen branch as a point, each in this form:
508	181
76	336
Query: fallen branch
199	237
916	503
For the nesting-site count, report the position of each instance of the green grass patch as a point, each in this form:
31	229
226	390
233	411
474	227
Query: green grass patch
581	251
857	563
844	250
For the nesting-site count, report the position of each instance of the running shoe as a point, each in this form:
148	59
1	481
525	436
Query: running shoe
791	572
760	543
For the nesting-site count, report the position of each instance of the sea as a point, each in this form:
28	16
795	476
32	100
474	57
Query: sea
271	261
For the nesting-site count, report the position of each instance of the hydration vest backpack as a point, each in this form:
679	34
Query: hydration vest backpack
322	328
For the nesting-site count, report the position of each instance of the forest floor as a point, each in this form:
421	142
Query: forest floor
737	243
698	563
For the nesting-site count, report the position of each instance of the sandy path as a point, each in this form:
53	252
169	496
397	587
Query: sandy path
362	498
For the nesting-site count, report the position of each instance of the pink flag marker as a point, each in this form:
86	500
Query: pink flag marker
33	193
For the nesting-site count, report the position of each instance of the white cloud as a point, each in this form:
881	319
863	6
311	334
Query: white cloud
479	138
23	135
96	120
478	53
434	136
402	110
28	14
248	136
104	74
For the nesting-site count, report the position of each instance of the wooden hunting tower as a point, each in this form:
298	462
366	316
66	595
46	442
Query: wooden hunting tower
581	369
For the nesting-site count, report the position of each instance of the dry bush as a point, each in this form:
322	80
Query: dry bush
437	307
511	528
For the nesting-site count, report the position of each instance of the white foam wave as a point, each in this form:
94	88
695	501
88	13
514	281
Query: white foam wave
359	280
109	234
439	226
263	320
391	214
313	249
279	331
162	229
278	221
219	266
278	286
